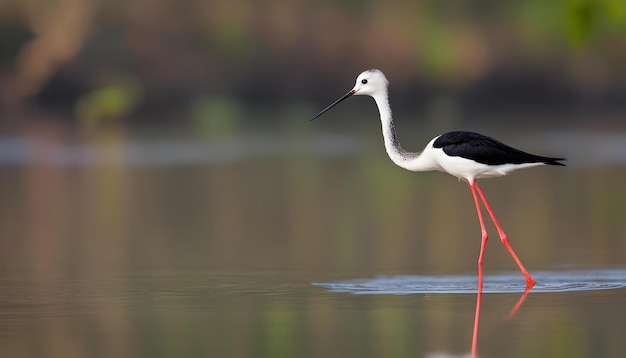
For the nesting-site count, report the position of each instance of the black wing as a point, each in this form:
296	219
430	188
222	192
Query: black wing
486	150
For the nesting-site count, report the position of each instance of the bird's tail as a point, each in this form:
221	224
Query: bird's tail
553	161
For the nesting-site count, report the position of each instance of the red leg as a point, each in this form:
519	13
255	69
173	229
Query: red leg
483	244
483	231
479	296
505	241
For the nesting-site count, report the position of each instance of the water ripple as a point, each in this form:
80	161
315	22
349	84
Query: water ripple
547	281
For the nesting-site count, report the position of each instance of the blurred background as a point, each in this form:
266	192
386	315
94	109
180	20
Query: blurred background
161	193
166	61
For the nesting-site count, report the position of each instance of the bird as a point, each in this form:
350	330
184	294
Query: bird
466	155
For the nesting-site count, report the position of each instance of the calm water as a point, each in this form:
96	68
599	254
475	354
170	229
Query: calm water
302	245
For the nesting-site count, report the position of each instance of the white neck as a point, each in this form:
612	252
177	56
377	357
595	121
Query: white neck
414	161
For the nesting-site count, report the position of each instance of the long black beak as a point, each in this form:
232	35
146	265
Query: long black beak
333	104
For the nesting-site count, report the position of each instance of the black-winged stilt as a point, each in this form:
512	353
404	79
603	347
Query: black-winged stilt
465	155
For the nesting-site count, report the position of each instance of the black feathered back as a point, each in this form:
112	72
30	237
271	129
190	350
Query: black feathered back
486	150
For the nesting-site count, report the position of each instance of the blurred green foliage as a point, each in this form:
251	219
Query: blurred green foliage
279	51
109	102
215	115
586	19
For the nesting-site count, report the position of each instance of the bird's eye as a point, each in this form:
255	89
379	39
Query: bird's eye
364	81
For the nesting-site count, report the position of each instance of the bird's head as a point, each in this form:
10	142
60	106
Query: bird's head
370	83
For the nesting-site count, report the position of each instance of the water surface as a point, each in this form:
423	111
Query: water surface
546	281
261	246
